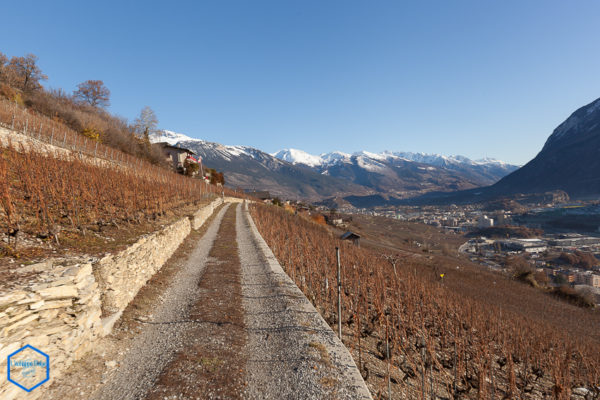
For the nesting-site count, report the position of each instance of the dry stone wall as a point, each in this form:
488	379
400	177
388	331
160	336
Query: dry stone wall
70	303
58	312
121	275
200	217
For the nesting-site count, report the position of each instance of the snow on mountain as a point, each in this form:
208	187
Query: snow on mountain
490	161
371	162
335	157
295	156
170	137
373	156
586	116
179	139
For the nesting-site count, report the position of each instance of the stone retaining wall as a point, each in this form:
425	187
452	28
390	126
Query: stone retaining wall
200	217
60	310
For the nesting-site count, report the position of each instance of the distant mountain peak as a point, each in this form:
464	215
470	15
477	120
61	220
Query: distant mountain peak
170	137
295	156
568	161
574	126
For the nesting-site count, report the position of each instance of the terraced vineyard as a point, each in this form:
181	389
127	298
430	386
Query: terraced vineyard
443	340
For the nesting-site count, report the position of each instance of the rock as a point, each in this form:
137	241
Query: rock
580	391
111	364
79	272
31	298
58	292
48	305
39	267
55	328
23	321
23	312
10	298
38	341
36	305
7	349
109	322
48	315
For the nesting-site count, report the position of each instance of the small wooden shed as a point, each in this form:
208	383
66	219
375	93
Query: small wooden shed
354	237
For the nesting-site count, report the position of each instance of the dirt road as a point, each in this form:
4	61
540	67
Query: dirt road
232	325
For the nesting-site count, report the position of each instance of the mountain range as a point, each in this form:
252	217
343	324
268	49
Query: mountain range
402	173
362	178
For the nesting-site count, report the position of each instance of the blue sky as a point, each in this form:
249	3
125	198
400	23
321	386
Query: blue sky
478	78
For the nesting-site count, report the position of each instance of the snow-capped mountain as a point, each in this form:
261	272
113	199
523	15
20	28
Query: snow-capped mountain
392	171
298	157
249	168
294	173
170	137
226	152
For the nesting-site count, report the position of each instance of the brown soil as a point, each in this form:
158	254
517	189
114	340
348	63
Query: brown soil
212	364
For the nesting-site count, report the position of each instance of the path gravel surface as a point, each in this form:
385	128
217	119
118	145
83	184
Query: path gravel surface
165	333
276	347
293	353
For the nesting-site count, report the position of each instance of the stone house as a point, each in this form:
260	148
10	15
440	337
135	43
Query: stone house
177	156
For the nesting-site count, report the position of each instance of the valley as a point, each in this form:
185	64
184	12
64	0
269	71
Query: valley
300	200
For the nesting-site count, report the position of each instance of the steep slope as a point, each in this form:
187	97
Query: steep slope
569	161
568	166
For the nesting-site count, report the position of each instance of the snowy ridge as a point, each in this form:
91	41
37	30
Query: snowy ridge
579	118
296	156
227	152
170	137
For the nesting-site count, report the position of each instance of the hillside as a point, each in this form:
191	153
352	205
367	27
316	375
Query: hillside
453	330
568	161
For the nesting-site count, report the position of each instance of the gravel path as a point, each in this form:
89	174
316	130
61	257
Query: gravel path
165	333
292	352
277	346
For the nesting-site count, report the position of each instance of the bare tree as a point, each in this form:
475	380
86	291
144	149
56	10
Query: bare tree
93	93
27	73
147	122
3	61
